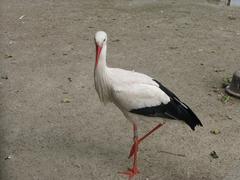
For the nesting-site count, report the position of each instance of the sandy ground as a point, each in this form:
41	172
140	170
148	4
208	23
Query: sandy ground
52	125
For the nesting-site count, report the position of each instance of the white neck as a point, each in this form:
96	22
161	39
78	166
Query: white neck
101	78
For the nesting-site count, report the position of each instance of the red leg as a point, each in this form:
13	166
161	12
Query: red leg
131	172
133	149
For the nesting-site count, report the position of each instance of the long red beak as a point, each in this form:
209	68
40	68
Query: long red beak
98	52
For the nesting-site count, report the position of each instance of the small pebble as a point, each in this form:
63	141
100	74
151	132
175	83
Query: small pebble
216	90
4	77
8	157
219	70
8	56
215	131
232	18
173	47
21	17
69	79
65	100
116	40
214	155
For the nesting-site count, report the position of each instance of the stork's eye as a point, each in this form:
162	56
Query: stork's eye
104	40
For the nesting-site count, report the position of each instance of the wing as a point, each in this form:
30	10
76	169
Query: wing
174	109
137	96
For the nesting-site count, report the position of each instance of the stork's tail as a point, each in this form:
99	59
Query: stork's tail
181	111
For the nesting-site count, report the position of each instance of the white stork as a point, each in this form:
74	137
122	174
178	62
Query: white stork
136	93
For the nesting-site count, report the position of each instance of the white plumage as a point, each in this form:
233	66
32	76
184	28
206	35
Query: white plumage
132	90
136	93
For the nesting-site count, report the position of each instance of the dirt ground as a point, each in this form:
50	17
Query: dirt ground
52	125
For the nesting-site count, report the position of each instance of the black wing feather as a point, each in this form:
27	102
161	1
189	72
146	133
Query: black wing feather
175	109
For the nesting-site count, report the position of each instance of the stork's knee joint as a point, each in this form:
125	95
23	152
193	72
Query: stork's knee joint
135	135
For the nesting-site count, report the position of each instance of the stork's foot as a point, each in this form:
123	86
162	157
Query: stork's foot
131	172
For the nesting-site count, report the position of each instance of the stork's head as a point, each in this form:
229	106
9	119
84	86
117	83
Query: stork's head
100	38
100	41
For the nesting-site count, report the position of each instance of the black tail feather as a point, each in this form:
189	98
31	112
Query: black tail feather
175	109
181	111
